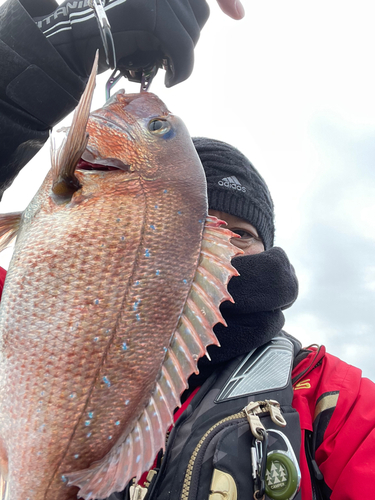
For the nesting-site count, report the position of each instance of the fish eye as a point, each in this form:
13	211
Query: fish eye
159	126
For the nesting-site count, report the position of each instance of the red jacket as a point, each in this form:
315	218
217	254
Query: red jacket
335	402
3	274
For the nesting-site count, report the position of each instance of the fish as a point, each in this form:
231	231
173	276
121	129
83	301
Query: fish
110	299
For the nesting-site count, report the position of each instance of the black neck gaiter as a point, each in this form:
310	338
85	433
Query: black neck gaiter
267	284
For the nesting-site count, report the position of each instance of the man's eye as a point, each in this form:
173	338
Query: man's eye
244	235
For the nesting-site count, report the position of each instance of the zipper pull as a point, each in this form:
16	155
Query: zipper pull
275	413
251	411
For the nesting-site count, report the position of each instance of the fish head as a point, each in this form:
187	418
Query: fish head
137	133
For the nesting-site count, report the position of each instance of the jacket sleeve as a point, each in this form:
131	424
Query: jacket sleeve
37	88
342	408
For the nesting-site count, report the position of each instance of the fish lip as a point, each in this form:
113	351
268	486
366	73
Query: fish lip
91	161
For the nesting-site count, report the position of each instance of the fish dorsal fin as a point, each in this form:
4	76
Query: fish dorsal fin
64	160
9	227
135	453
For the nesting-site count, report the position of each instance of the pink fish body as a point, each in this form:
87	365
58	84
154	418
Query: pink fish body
109	301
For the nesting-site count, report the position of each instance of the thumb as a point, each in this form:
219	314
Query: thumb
232	8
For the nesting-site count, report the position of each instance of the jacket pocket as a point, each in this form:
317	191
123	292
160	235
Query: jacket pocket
221	466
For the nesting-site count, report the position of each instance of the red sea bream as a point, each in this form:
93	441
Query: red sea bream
109	301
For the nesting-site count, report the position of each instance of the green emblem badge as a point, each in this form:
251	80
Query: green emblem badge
282	475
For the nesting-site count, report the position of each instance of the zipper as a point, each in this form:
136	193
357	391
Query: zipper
251	413
190	467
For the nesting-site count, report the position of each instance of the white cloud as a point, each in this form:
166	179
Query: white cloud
292	86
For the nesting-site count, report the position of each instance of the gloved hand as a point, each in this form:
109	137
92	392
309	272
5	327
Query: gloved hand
144	32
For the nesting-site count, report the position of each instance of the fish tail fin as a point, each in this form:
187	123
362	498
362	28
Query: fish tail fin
64	160
9	227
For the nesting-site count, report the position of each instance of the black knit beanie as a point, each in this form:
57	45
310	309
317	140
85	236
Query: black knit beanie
235	187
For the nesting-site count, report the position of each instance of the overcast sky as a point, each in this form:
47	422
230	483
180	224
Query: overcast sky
292	86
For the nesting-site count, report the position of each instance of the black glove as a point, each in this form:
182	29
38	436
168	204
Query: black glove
144	31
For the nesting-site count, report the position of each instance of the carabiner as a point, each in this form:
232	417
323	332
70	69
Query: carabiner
259	455
283	475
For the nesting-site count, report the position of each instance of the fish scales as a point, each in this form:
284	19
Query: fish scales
97	285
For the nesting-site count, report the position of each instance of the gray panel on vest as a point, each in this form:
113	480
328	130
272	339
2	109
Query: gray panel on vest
264	369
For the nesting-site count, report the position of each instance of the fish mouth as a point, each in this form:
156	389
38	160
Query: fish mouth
93	162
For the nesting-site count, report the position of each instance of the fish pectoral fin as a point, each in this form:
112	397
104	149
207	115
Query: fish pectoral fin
4	491
9	227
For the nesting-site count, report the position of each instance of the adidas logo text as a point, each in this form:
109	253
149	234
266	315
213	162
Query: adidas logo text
233	183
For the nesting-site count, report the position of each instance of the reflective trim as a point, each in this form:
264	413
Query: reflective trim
326	401
265	369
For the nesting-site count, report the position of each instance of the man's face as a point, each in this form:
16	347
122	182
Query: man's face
249	240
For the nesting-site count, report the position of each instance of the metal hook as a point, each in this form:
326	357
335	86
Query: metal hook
147	77
105	31
112	80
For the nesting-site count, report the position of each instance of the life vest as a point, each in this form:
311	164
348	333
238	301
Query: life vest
211	442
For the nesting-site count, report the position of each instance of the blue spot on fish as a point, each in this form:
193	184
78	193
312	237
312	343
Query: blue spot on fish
156	206
88	435
200	221
96	339
91	414
138	458
136	283
106	381
136	304
165	349
147	252
157	272
138	316
42	393
165	191
122	238
87	423
127	402
124	346
109	437
64	479
76	456
184	281
179	212
96	302
118	220
118	422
